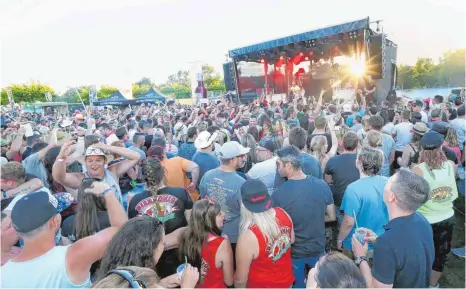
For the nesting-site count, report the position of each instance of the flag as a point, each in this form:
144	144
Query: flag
92	94
48	96
11	100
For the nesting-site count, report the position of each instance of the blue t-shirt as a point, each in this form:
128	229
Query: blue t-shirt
350	119
365	199
206	162
306	202
404	253
187	150
311	165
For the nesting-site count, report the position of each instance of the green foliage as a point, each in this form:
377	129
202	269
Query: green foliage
139	89
106	91
31	92
449	72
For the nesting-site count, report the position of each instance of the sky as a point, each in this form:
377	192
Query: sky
81	42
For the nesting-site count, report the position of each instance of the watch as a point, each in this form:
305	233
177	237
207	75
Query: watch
360	259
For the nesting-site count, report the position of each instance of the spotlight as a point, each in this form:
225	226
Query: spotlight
281	57
353	35
262	60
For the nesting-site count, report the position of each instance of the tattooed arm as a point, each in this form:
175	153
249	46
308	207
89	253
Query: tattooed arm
26	188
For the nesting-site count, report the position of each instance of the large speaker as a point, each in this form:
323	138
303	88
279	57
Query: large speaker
376	56
229	76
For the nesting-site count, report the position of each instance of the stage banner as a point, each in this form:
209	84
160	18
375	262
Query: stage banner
48	96
11	100
92	94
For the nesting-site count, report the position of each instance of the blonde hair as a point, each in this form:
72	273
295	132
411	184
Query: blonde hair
374	139
113	280
265	221
452	138
319	147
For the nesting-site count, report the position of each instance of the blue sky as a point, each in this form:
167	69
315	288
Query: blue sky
67	42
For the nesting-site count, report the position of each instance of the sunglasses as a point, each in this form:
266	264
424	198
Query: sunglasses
128	275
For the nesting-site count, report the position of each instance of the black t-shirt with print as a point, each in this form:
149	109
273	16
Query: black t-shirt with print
168	207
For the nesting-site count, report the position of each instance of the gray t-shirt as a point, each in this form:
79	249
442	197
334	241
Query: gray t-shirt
34	166
265	171
403	135
224	189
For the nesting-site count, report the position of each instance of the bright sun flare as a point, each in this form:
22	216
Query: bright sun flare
357	67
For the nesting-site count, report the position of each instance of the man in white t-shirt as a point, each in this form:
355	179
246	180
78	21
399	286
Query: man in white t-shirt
402	134
266	169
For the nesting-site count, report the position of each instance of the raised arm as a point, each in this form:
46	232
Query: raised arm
84	252
16	144
59	169
121	168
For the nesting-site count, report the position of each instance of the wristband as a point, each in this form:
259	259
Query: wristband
106	191
4	195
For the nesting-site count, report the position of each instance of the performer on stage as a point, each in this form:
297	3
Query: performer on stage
367	88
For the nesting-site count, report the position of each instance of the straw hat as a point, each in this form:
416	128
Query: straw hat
91	151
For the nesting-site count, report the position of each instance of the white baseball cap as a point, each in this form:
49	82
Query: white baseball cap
232	149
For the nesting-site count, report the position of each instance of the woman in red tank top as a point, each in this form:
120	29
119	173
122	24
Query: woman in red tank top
263	250
203	246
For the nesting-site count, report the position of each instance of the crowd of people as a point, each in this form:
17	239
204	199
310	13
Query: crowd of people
300	194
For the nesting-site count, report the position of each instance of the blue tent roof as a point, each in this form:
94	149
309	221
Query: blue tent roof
115	99
316	34
151	96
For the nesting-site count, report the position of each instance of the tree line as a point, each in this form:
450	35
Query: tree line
177	85
449	71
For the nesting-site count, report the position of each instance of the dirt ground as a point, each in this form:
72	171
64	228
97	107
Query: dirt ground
454	275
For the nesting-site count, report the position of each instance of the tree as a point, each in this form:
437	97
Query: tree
145	81
106	91
211	78
451	68
181	78
30	92
139	90
449	72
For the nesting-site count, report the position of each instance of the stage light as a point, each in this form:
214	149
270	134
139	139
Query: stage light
357	67
281	57
262	60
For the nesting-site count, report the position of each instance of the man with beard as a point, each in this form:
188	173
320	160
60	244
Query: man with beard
266	169
95	159
309	203
223	186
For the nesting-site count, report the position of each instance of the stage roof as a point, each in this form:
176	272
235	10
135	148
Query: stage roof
315	34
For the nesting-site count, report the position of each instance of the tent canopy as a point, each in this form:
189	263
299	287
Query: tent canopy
151	96
315	34
115	99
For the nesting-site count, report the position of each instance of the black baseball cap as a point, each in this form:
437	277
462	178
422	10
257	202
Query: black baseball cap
255	196
431	140
33	211
31	139
268	144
